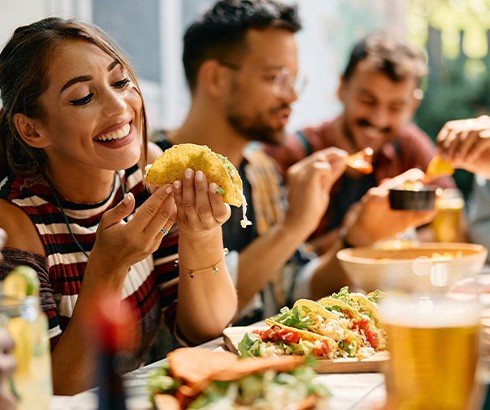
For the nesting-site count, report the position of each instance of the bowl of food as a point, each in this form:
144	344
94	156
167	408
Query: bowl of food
431	267
413	197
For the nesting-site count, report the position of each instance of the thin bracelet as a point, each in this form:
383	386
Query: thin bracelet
214	267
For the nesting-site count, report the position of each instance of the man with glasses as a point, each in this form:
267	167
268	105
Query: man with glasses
240	61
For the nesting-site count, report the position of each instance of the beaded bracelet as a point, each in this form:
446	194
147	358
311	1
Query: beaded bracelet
214	267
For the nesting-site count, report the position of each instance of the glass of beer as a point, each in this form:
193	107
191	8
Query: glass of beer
433	341
449	206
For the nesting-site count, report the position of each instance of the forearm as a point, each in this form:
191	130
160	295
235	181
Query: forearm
263	259
207	298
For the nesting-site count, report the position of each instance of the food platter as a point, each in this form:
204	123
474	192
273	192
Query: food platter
375	363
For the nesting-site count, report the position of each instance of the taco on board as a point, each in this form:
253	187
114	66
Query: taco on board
332	330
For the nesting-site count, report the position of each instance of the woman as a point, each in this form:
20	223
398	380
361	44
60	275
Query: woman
73	144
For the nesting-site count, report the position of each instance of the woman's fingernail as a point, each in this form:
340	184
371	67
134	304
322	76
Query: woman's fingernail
213	187
127	198
188	173
199	176
177	184
168	190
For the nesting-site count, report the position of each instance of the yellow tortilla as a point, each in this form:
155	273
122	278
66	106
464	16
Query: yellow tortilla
171	165
367	309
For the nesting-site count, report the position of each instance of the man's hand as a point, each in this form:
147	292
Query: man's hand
309	183
371	219
466	144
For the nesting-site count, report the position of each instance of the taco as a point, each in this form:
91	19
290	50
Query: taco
365	304
170	167
197	378
359	317
305	329
337	325
334	327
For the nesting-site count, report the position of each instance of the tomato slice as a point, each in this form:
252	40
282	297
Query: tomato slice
370	333
277	334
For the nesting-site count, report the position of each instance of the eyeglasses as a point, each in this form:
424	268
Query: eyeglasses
284	84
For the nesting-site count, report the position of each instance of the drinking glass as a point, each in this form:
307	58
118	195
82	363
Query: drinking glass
449	206
433	340
31	383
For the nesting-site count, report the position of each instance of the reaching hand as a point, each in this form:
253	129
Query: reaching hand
309	183
466	143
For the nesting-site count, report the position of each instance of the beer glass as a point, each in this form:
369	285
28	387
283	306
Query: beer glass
449	206
433	340
31	383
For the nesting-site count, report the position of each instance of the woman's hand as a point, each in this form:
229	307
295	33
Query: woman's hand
466	144
199	207
120	245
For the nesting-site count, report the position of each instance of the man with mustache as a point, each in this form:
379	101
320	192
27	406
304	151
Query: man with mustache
241	64
379	91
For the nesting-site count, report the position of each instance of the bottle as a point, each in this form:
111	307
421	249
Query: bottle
111	389
116	338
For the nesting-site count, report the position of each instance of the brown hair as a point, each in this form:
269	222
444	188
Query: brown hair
221	31
384	53
24	64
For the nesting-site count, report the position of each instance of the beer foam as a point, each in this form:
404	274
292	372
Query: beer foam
430	312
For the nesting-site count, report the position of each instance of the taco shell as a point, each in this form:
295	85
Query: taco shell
171	165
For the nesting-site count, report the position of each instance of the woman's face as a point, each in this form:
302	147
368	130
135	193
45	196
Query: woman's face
91	111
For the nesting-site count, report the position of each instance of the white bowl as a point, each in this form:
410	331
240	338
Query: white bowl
418	267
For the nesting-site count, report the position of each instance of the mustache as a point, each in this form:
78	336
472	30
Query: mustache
366	123
281	107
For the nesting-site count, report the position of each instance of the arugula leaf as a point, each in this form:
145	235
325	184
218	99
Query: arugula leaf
250	345
375	296
159	381
294	317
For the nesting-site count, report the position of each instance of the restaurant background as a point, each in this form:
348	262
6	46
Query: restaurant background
455	34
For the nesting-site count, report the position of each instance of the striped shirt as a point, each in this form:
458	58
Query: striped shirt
150	284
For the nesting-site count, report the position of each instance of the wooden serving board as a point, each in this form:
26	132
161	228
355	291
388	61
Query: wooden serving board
374	363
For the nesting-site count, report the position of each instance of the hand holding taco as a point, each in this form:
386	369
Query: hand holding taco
171	165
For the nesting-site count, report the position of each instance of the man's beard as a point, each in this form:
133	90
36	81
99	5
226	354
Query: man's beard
256	129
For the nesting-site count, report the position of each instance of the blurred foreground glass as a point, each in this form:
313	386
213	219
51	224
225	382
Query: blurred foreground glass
449	206
31	383
433	340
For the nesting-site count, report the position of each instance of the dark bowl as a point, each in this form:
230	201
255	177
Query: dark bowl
420	199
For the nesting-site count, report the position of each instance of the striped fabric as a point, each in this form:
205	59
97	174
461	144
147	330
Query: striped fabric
150	284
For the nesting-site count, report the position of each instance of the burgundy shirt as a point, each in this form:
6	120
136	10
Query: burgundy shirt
411	149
